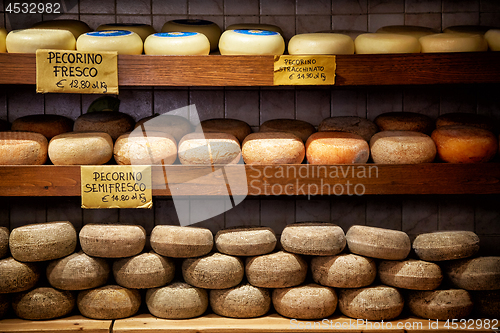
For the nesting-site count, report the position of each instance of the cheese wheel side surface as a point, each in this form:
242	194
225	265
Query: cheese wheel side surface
23	148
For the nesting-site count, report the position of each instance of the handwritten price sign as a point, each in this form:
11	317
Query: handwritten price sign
304	70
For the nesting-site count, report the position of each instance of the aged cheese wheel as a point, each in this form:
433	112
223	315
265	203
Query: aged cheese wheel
43	303
120	41
486	303
49	125
255	26
300	128
378	242
137	148
310	301
22	148
146	270
209	148
344	271
336	148
42	241
4	241
17	276
76	27
3	36
352	124
276	270
404	121
471	29
317	239
208	28
410	274
78	271
410	30
372	43
112	240
273	148
177	43
81	148
213	271
246	241
482	273
181	242
440	304
113	123
446	245
143	30
4	304
492	38
376	302
177	126
464	144
251	42
466	119
109	302
402	147
242	301
238	128
178	300
320	43
30	40
453	42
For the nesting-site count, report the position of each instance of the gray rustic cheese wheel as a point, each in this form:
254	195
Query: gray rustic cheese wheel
113	123
377	302
378	242
4	304
109	302
440	304
209	148
276	270
16	276
178	300
402	147
300	128
410	274
181	242
213	271
238	128
317	239
43	303
177	126
49	125
137	148
4	241
446	245
336	148
78	271
344	271
112	240
273	148
146	270
486	303
81	148
310	301
404	121
242	301
482	273
23	148
246	241
352	124
42	241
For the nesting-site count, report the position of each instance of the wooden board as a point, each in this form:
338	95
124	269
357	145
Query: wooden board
63	325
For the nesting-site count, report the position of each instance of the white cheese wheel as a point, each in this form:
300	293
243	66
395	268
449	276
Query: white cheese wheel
273	148
320	43
255	26
113	123
181	242
251	42
137	148
178	300
23	148
4	241
482	273
112	240
238	128
30	40
300	128
409	30
120	41
378	242
74	26
402	147
492	37
209	149
17	276
43	303
345	270
453	42
246	241
146	270
440	304
242	301
177	43
213	271
3	35
446	245
352	124
336	148
470	29
372	43
49	125
410	274
404	121
143	30
177	126
109	302
208	28
316	239
81	148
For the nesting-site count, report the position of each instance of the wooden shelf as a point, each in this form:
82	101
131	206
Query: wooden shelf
63	325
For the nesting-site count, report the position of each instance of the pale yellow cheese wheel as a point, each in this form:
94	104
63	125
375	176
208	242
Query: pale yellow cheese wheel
109	302
273	148
181	242
178	300
43	303
17	276
177	126
208	28
145	270
22	148
378	242
492	37
246	241
242	301
209	149
372	43
352	124
470	29
410	30
213	271
177	43
113	123
143	30
137	148
251	42
49	125
402	147
336	148
351	33
255	26
76	27
120	41
4	241
112	240
345	270
3	35
440	304
446	245
320	43
481	273
238	128
300	128
317	239
453	42
410	274
30	40
81	148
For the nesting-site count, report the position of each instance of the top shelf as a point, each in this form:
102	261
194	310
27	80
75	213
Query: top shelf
217	70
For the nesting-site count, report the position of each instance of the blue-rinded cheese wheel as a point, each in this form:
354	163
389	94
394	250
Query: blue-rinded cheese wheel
208	28
255	26
30	40
177	43
251	42
143	30
121	41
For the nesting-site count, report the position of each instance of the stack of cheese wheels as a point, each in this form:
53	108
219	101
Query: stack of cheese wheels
17	276
213	271
467	119
320	43
440	304
177	300
43	303
319	239
410	30
246	241
145	270
410	274
238	128
255	26
251	42
372	43
404	121
49	125
470	29
175	125
446	245
336	148
352	124
4	241
3	35
205	27
276	270
181	242
120	41
138	148
273	148
481	273
177	43
109	302
112	240
113	123
143	30
74	26
242	301
209	149
378	242
81	148
453	42
402	147
30	40
22	148
300	128
492	38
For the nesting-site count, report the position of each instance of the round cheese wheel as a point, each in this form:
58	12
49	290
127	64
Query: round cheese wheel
320	43
251	42
402	147
492	38
317	239
181	242
453	42
410	274
471	29
352	124
378	242
208	28
78	271
213	271
446	245
464	144
143	30
4	304
49	125
209	149
255	26
336	148
120	41
276	270
486	303
3	36
310	301
113	123
246	241
344	271
177	43
22	148
466	119
440	304
178	300
482	273
137	148
30	40
76	27
409	30
176	126
372	43
404	121
81	148
300	128
273	148
238	128
17	276
4	241
43	303
351	33
109	302
146	270
242	301
112	240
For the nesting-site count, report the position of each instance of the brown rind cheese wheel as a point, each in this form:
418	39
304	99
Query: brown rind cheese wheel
23	148
242	301
344	271
276	270
446	245
336	148
378	242
112	240
238	128
145	270
299	128
213	271
49	125
177	126
352	124
318	239
482	273
440	304
178	300
410	274
246	241
404	121
181	242
466	119
113	123
109	302
43	303
273	148
17	276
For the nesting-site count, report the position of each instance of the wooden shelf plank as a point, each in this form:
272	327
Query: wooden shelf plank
63	325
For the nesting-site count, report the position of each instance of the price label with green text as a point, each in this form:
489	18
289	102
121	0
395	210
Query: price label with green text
304	70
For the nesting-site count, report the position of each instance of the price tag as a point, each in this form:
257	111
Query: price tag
304	70
112	186
63	71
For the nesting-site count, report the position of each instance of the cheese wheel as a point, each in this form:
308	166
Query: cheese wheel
410	274
113	123
143	30
209	149
402	147
109	302
255	26
446	245
238	128
177	126
470	29
300	128
320	43
345	270
409	30
181	242
467	119
482	273
137	148
76	27
81	148
22	148
246	241
49	125
178	300
317	239
146	270
242	301
251	42
352	124
272	148
4	304
78	271
464	144
213	271
336	148
440	304
112	240
310	301
4	241
351	33
208	28
453	42
43	303
30	40
373	43
17	276
276	270
404	121
3	35
120	41
378	242
492	38
486	303
177	43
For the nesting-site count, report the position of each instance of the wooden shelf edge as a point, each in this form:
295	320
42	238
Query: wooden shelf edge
71	324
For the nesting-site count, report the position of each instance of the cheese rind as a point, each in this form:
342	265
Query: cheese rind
410	274
238	128
4	241
113	123
17	276
446	245
440	304
453	42
213	271
49	125
43	303
336	148
378	242
138	149
74	26
178	300
467	119
481	273
30	40
120	41
143	30
492	37
404	121
300	128
112	240
318	239
209	149
109	302
242	301
402	147
410	30
181	242
245	241
81	148
177	43
177	126
143	271
211	30
345	270
273	148
320	43
470	29
372	43
22	148
251	42
352	124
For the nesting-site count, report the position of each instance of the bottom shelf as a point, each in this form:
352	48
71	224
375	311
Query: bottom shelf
63	325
